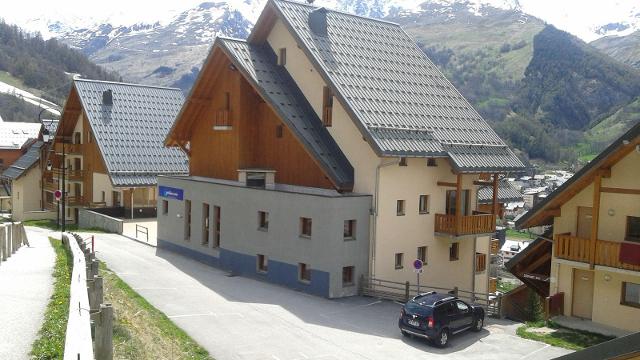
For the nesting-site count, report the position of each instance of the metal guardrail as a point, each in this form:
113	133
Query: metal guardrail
402	292
86	309
12	237
143	230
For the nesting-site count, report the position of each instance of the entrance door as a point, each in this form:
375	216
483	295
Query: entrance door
451	202
582	293
584	222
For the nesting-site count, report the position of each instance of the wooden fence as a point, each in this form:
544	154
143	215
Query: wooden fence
12	237
402	292
86	308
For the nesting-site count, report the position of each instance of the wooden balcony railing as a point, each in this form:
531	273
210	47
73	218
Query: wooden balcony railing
472	224
75	200
50	186
73	175
222	118
69	149
578	249
50	206
495	246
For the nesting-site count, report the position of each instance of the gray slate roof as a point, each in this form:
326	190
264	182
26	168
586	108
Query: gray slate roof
506	193
401	101
24	163
258	63
51	126
131	132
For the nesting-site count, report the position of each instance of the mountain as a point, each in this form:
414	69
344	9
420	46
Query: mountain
625	49
41	67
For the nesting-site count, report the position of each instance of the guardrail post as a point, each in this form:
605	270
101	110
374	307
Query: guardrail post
3	243
95	265
95	292
454	292
406	291
499	312
361	285
104	333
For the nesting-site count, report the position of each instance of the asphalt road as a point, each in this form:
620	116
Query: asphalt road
240	318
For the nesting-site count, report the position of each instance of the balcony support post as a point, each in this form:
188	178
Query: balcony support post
459	204
597	182
495	194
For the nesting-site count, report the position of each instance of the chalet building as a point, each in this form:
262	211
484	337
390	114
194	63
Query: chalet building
595	252
15	139
508	198
110	137
328	146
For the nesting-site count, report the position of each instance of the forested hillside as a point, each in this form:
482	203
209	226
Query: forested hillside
44	65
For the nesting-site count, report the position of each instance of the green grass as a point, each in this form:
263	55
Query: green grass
562	337
52	225
515	234
505	286
50	341
140	330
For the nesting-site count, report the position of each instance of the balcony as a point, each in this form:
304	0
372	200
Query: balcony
577	249
75	201
494	246
50	206
69	149
493	285
69	175
50	186
222	120
469	225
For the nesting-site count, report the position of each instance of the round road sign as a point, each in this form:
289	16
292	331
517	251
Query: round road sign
58	194
417	264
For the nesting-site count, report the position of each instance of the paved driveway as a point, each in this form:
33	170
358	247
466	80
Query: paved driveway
240	318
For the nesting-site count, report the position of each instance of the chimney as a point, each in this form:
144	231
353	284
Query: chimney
107	97
318	21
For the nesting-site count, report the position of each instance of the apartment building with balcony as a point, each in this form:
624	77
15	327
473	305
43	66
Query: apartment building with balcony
340	131
108	148
595	257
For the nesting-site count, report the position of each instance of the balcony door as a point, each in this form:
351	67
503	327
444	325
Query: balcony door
451	202
585	214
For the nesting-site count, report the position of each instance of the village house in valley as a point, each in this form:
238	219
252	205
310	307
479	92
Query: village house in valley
595	253
111	138
328	146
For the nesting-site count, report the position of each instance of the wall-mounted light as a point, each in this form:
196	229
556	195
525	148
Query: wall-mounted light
179	216
607	277
611	212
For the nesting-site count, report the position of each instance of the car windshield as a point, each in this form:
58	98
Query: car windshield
414	308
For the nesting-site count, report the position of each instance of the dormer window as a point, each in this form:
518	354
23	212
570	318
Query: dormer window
222	117
257	178
327	106
282	57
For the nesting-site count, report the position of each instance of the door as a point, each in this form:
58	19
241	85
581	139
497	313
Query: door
584	222
582	293
465	317
451	202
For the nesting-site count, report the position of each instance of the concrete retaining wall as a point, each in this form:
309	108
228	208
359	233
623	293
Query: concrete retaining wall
38	215
92	219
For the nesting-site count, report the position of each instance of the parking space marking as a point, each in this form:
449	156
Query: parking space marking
206	314
538	350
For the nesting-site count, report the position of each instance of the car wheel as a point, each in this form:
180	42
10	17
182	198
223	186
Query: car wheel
443	338
478	324
405	334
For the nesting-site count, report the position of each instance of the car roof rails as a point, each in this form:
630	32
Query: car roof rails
423	294
448	298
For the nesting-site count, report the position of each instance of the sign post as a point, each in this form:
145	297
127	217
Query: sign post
417	267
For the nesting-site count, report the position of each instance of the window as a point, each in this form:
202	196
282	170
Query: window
165	207
216	223
305	227
187	220
481	262
633	229
423	207
327	106
403	161
399	260
630	294
205	224
349	229
451	202
256	179
263	220
422	254
304	273
282	58
431	162
279	130
115	198
400	207
347	275
462	307
262	263
454	250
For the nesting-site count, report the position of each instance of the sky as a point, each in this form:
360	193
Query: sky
575	16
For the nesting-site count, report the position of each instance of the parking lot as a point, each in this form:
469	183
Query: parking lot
241	318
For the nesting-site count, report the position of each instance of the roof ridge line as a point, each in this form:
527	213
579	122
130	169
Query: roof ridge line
465	144
383	127
127	84
339	12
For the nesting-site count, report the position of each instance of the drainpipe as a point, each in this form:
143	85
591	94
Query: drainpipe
372	242
132	190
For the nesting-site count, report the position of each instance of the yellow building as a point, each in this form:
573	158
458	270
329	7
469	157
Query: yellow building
596	237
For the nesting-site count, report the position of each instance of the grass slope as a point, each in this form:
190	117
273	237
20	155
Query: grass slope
560	336
50	341
140	330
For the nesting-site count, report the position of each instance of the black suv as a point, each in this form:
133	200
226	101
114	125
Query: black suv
437	316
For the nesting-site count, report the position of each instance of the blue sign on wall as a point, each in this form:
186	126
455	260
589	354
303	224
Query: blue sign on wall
170	193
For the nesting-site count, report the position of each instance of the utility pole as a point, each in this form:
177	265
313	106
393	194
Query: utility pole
64	187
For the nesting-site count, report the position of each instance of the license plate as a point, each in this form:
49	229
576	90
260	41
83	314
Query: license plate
415	323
